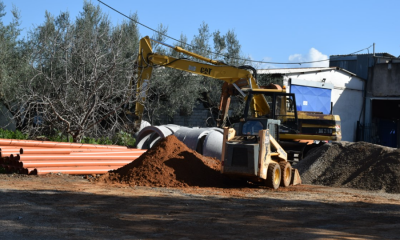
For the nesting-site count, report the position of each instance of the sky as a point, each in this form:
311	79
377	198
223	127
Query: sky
284	31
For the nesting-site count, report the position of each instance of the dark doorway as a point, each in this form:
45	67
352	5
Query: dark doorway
388	132
386	115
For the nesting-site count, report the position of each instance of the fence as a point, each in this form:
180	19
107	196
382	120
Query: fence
367	133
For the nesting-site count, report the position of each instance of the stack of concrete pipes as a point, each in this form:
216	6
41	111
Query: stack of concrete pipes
42	157
206	141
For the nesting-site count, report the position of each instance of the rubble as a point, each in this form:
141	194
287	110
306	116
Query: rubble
358	165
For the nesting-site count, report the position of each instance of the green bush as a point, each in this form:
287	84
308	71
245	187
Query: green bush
59	137
122	138
102	141
125	139
4	133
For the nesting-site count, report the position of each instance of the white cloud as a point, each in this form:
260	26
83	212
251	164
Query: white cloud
312	55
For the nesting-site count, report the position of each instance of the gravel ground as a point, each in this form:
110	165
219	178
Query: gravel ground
71	207
167	199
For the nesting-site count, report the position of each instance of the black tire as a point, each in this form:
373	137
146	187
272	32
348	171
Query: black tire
286	173
273	176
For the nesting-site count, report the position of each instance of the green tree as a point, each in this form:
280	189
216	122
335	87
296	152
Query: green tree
174	91
9	57
82	75
14	67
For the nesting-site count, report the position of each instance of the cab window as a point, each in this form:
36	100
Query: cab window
252	127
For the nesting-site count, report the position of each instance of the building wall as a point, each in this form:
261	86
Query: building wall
383	85
347	96
198	118
357	64
6	121
385	80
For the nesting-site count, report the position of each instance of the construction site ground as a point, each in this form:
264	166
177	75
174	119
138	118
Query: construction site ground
71	207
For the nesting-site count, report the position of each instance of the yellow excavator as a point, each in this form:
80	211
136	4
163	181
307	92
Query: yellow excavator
271	133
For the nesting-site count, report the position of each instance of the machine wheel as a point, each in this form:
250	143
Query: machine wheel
286	171
273	176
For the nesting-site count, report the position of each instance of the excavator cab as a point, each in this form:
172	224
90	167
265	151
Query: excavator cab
282	106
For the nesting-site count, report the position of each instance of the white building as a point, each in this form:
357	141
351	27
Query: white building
317	89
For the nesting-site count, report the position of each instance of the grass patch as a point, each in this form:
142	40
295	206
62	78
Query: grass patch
122	138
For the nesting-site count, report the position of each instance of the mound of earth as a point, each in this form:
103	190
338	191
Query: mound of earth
356	165
170	163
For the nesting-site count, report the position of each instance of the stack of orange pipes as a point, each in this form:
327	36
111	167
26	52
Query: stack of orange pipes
42	157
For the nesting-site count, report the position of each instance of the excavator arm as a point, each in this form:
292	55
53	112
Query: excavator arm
144	74
214	69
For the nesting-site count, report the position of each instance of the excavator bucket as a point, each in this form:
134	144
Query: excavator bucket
296	180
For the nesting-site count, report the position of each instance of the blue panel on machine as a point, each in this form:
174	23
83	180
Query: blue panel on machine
312	98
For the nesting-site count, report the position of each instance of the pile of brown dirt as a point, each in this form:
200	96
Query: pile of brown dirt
170	163
356	165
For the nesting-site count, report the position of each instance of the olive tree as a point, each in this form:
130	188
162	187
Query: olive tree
14	65
82	75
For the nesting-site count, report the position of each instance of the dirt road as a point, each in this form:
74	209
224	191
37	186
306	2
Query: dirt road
71	207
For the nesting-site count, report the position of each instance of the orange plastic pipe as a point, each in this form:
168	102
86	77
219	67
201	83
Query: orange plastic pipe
6	160
8	154
45	156
17	156
10	168
17	162
8	146
65	150
28	150
14	157
72	170
108	153
78	157
33	143
7	168
34	164
10	149
102	149
45	150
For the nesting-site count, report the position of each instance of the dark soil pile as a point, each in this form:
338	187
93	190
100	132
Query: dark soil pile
356	165
170	163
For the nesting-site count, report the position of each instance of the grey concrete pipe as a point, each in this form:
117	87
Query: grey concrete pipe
151	134
212	146
192	137
206	141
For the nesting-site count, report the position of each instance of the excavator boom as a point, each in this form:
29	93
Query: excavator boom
217	70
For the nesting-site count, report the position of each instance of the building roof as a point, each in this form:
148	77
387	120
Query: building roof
384	54
288	71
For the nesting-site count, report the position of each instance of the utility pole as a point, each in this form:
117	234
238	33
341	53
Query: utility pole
374	49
